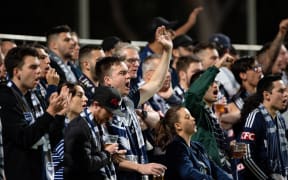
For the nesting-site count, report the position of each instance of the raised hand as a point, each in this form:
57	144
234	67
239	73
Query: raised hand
226	58
164	38
52	77
65	93
283	26
166	94
193	15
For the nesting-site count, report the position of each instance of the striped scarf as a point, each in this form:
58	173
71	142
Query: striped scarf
70	76
37	106
129	131
221	138
277	143
58	159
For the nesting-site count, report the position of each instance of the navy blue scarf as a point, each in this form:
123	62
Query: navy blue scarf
277	142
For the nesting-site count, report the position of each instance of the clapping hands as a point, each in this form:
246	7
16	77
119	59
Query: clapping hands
58	103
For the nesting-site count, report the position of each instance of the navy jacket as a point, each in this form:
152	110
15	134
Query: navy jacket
184	162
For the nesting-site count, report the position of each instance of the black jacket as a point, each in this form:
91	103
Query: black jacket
82	158
21	161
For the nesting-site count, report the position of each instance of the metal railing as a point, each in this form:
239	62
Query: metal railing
24	38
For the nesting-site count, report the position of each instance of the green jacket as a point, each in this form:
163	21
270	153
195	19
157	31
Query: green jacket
195	104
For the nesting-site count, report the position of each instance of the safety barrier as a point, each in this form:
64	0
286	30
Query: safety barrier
25	38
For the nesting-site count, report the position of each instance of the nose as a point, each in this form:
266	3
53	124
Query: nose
128	76
216	84
72	43
77	47
85	99
192	118
137	62
47	60
38	70
285	94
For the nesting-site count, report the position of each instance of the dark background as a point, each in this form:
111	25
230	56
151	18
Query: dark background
35	17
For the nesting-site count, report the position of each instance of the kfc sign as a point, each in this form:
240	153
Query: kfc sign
248	136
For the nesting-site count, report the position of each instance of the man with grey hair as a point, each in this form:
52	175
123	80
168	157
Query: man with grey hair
165	96
130	53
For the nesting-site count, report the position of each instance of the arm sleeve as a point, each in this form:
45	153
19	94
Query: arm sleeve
78	150
251	135
56	130
16	128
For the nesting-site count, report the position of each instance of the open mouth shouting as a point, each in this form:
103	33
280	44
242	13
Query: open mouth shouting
127	85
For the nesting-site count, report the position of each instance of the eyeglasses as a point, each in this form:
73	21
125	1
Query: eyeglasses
256	68
133	60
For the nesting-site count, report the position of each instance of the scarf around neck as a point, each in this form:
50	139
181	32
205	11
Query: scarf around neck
277	143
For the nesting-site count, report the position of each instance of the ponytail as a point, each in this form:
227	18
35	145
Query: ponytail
165	130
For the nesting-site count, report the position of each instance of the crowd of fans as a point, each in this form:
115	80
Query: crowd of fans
177	107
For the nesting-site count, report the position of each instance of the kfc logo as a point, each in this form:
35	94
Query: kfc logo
248	136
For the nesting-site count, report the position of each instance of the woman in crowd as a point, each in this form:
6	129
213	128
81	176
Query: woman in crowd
185	159
77	102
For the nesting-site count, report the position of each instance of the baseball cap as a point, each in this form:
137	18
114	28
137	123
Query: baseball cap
220	40
109	43
109	98
182	41
160	21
